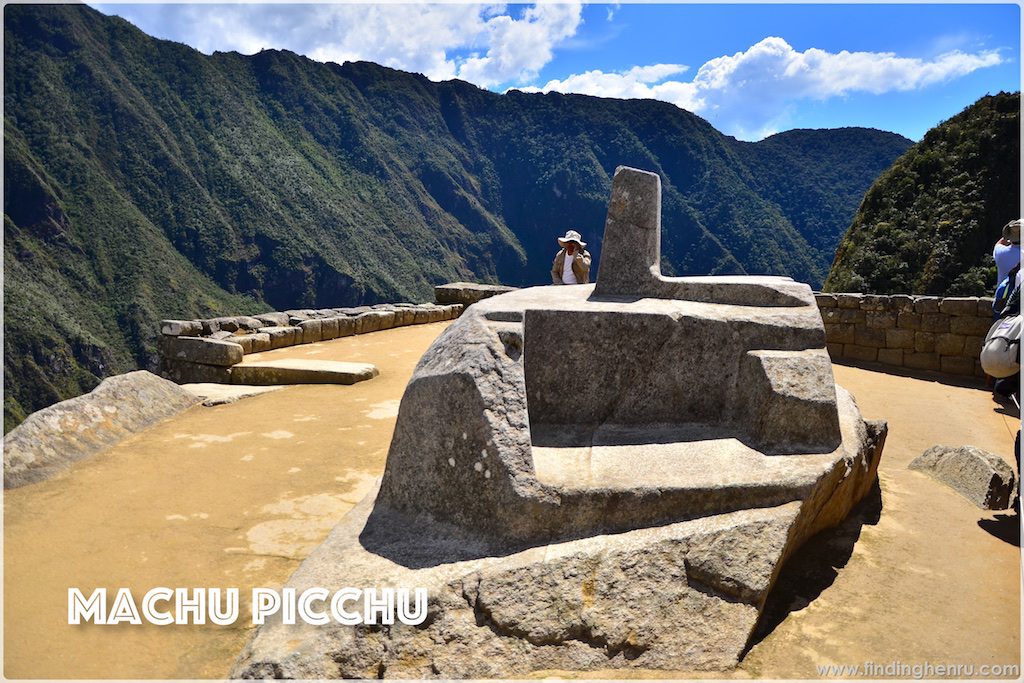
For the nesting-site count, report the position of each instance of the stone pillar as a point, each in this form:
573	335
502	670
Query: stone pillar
631	252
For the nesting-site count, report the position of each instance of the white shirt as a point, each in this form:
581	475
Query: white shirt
1006	257
568	277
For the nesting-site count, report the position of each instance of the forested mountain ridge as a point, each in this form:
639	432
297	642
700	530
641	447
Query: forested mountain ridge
145	180
928	224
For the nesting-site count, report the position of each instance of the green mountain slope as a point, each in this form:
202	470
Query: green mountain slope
928	224
146	180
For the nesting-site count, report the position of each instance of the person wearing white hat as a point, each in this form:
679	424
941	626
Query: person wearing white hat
1006	253
572	263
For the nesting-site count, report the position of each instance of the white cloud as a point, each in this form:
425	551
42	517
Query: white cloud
485	44
750	94
519	48
635	83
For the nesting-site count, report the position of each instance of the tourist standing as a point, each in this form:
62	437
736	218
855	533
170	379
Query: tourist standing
1006	253
572	263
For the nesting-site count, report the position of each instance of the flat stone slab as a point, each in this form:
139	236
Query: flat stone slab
681	596
213	394
51	439
981	477
467	293
301	371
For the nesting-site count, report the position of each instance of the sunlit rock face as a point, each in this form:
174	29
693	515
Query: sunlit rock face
593	477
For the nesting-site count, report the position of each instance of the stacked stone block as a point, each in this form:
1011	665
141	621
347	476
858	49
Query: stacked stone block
941	334
205	350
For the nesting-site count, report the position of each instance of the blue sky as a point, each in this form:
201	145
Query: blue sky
751	70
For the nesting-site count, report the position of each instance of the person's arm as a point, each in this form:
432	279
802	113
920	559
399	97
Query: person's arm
556	276
582	261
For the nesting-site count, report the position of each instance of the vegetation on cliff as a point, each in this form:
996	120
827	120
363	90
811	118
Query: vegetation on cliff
145	180
928	224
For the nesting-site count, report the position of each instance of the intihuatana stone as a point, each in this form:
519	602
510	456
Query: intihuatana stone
981	477
51	439
637	520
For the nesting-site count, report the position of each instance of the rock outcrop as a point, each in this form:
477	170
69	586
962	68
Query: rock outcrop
586	477
49	440
981	477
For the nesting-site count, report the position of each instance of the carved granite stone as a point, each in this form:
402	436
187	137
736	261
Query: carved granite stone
594	477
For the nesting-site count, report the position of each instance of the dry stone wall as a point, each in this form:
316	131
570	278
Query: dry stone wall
917	332
205	350
941	334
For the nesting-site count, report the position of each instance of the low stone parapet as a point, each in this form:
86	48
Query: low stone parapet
206	350
941	334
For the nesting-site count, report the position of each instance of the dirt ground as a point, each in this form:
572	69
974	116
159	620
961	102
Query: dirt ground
233	495
238	494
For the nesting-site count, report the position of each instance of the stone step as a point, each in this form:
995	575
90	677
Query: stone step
676	456
299	371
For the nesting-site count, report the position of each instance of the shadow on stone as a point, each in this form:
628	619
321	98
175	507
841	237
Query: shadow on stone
814	567
1004	527
609	436
926	375
414	544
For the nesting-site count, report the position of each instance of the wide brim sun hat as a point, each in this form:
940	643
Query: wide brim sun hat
1011	231
571	236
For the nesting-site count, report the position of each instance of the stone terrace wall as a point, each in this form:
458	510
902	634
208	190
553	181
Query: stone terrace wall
205	350
917	332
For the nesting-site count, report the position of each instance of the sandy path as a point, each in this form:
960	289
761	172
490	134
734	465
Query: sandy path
236	495
931	581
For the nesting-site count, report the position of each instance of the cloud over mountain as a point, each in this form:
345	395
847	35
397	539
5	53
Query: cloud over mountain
749	93
485	44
